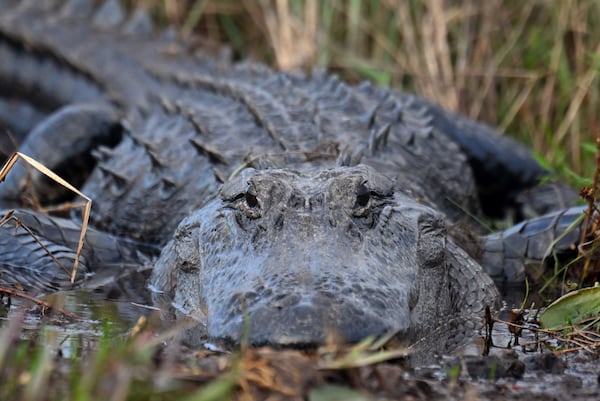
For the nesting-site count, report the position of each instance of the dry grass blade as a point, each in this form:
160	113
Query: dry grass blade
53	176
292	37
590	226
583	87
9	216
572	337
356	360
367	352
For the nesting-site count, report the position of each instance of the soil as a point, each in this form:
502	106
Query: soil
521	372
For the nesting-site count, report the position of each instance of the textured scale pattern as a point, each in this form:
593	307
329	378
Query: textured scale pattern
253	181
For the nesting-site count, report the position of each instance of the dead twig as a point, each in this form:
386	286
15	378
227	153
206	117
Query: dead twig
53	176
573	336
37	301
18	223
590	226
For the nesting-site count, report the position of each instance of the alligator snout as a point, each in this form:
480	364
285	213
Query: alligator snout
307	293
304	321
294	259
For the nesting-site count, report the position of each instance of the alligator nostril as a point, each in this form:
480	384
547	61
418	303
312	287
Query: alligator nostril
251	198
363	195
250	296
316	202
296	200
278	224
281	301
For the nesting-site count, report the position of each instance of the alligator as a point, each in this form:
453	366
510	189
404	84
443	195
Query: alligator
288	207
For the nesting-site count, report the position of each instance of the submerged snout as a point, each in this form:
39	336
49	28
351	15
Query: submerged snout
300	321
307	289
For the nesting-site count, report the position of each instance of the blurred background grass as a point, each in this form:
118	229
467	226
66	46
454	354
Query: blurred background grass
527	67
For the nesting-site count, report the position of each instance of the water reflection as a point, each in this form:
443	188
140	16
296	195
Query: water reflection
113	309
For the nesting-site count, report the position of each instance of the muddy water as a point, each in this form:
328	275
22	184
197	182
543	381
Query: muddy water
528	369
96	312
508	372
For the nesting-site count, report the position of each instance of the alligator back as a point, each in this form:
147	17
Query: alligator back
351	189
190	121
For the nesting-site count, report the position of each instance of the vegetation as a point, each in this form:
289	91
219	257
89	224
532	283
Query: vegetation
529	68
139	366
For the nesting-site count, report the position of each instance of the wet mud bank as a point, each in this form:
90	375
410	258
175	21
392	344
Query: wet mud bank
361	372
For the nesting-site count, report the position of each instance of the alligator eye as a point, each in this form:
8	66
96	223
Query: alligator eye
363	195
250	197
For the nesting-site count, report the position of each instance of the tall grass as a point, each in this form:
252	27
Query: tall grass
529	68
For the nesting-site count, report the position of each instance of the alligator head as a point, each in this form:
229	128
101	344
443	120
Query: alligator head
298	259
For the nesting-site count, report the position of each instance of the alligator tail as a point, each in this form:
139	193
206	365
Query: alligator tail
38	253
528	247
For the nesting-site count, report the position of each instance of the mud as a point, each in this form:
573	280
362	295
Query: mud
509	372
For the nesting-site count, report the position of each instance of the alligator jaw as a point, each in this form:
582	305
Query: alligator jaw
304	325
310	300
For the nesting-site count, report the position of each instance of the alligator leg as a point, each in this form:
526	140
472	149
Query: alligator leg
471	293
63	142
38	253
510	255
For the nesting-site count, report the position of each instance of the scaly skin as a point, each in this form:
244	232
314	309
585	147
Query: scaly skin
312	254
308	206
509	252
